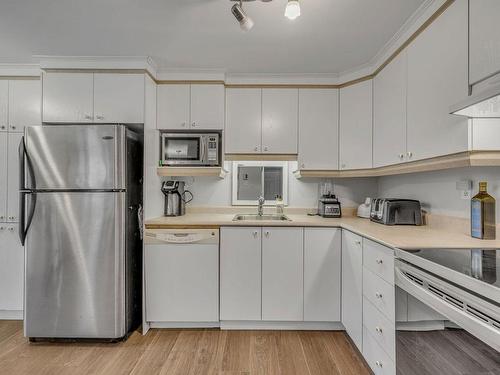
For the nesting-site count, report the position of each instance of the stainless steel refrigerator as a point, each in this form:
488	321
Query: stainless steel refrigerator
80	194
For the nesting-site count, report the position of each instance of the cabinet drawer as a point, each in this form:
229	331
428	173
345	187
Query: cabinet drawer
376	357
379	259
380	293
381	329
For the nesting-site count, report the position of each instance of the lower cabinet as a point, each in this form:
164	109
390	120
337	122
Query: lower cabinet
280	274
11	272
352	286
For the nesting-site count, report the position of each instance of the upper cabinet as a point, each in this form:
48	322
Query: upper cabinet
279	121
20	104
318	129
389	113
356	125
185	106
484	39
70	97
119	98
261	121
437	78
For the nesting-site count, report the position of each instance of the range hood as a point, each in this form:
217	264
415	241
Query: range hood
483	104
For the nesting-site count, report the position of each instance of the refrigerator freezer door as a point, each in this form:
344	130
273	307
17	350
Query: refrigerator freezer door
75	266
65	157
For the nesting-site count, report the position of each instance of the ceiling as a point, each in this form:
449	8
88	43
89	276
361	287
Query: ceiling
331	36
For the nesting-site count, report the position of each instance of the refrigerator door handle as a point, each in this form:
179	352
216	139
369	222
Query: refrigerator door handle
23	223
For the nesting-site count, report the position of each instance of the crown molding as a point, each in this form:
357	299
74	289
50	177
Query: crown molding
166	74
281	79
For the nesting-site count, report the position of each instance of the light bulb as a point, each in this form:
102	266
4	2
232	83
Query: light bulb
292	10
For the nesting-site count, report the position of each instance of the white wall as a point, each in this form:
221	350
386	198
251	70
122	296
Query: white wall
437	190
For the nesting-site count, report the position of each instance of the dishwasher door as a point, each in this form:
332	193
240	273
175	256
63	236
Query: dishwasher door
181	277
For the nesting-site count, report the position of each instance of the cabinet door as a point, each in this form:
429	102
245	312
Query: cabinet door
356	123
119	98
280	121
182	283
240	274
352	286
24	104
13	177
173	107
389	113
484	41
437	78
283	274
322	274
207	107
68	97
11	269
243	121
318	129
4	105
3	176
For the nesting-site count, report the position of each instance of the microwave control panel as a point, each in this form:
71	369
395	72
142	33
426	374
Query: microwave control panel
212	152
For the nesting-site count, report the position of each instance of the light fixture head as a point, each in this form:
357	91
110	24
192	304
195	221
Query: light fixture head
245	22
292	10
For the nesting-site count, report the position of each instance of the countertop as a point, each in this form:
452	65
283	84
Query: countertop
392	236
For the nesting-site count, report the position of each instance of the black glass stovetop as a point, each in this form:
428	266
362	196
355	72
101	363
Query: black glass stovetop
483	265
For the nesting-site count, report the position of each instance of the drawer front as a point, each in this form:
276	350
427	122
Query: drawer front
376	357
380	293
381	329
379	259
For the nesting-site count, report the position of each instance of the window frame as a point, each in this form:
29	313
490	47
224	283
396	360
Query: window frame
234	187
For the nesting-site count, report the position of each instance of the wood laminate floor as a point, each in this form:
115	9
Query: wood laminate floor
185	352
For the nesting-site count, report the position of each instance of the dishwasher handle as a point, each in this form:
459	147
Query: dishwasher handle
182	237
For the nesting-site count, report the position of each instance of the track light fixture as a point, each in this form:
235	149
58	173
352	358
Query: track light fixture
292	11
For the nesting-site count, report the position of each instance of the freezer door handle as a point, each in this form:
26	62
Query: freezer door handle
24	223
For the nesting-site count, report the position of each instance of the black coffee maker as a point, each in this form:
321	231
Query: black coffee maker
175	197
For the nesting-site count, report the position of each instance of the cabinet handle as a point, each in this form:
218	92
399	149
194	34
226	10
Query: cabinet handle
183	124
193	124
2	228
410	154
256	148
13	127
357	242
378	295
342	166
378	329
255	233
11	229
2	217
2	127
302	165
12	217
379	261
401	156
88	117
378	363
265	148
267	234
100	117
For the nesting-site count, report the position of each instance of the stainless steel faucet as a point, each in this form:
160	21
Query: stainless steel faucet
260	211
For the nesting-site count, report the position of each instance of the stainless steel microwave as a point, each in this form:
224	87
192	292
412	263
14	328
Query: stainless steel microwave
190	149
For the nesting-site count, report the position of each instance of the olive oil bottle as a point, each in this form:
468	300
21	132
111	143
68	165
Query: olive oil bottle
483	214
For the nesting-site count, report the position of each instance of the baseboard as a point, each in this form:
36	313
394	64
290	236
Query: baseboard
428	325
11	315
268	325
184	325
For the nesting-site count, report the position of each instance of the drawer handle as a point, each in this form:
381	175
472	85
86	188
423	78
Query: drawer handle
378	295
357	242
379	261
378	329
255	234
379	364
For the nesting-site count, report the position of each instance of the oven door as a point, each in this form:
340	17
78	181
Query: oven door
183	149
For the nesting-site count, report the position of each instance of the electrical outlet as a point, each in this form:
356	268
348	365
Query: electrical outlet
466	194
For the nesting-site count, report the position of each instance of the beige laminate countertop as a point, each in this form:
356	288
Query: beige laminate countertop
392	236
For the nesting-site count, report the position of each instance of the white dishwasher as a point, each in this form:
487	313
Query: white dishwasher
181	274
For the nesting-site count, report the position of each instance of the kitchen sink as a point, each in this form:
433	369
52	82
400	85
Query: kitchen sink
261	217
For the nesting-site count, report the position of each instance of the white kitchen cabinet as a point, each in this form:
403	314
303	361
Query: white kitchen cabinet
240	273
352	286
13	176
484	41
11	272
282	274
68	97
173	107
24	104
485	134
389	113
207	107
318	129
243	129
4	105
3	176
356	125
322	274
118	98
182	282
279	121
437	78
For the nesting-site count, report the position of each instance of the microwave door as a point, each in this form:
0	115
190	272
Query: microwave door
179	149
